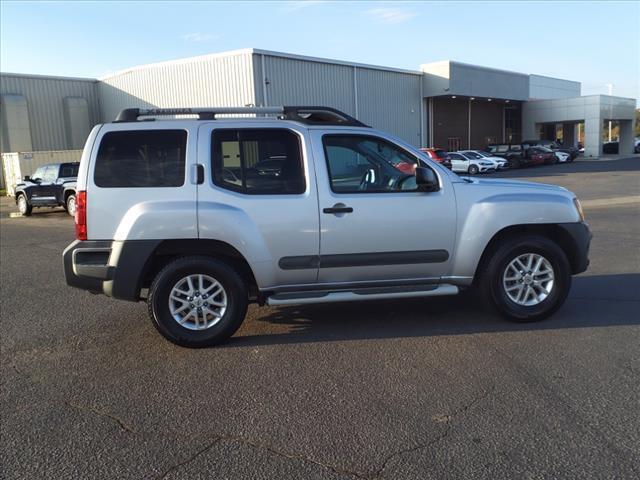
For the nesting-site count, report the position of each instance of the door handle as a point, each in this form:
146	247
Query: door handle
338	208
199	174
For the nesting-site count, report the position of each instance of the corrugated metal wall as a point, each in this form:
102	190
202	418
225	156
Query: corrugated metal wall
384	99
45	101
212	81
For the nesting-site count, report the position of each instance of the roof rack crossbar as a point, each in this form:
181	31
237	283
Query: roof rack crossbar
314	115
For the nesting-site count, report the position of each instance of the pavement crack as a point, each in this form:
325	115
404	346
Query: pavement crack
448	426
102	413
206	448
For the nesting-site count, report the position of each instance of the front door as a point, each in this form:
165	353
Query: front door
375	225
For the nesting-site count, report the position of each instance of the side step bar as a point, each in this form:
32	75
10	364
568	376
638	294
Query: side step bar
301	298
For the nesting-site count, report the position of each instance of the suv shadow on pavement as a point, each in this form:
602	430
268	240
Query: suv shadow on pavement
594	301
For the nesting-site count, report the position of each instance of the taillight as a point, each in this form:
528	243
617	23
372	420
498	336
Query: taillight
81	215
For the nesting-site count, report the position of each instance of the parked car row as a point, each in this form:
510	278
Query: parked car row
499	156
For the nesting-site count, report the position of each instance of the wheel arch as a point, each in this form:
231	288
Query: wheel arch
167	250
553	232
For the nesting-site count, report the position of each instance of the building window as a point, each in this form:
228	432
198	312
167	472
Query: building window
512	124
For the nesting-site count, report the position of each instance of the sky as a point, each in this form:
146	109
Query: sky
596	43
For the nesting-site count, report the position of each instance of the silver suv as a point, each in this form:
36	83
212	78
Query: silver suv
292	205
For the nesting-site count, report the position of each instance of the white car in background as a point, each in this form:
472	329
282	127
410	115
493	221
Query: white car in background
501	163
471	163
562	157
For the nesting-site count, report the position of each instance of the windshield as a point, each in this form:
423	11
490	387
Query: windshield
472	155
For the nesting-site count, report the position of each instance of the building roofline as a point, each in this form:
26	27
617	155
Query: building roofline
256	51
307	58
47	77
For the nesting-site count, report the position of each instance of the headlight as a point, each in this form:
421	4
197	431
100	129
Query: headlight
576	202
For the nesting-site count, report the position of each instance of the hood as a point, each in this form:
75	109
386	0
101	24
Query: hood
516	184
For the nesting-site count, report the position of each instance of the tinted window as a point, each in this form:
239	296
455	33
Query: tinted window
472	155
516	148
258	161
142	158
502	148
362	163
69	170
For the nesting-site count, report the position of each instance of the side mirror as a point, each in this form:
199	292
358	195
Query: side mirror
426	180
27	178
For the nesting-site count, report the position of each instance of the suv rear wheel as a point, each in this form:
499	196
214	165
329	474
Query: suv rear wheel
527	278
197	301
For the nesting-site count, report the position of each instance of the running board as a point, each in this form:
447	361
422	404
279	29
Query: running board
300	298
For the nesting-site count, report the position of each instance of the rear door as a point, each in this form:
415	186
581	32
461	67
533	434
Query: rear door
259	195
141	183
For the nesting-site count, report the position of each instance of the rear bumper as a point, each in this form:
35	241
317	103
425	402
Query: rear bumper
581	236
110	267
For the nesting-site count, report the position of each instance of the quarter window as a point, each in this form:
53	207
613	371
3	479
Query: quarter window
141	158
258	161
362	163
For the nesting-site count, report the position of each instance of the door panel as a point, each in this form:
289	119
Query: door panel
260	197
387	234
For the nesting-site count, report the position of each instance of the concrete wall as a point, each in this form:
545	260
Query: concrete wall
220	80
462	79
592	109
541	87
44	99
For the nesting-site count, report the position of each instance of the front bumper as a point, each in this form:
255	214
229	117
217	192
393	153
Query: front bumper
581	238
110	267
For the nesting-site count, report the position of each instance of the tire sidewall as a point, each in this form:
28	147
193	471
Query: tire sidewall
71	198
22	200
166	280
562	278
473	170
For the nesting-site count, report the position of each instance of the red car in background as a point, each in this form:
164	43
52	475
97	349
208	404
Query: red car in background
541	156
439	155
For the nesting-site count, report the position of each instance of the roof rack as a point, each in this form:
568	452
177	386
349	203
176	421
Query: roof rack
307	115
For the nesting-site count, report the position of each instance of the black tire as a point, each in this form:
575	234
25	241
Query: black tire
23	205
514	162
166	279
491	278
70	208
473	170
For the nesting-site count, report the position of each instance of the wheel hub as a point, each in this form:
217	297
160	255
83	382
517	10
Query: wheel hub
197	302
528	279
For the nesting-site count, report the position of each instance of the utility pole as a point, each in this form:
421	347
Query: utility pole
610	86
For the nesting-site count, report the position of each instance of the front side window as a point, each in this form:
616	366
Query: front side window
472	155
50	174
456	156
362	163
39	173
258	161
141	158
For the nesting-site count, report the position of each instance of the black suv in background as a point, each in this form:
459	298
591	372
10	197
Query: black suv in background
513	152
52	185
552	145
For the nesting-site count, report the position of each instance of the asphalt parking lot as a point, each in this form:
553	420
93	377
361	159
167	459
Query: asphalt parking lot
419	388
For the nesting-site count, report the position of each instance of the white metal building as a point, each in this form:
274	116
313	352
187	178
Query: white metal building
446	104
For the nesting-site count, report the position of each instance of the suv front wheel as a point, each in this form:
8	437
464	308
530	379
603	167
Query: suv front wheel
197	301
527	278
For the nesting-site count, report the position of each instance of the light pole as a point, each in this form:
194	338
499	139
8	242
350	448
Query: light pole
610	86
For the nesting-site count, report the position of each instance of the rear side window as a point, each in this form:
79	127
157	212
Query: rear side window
141	158
68	170
257	161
